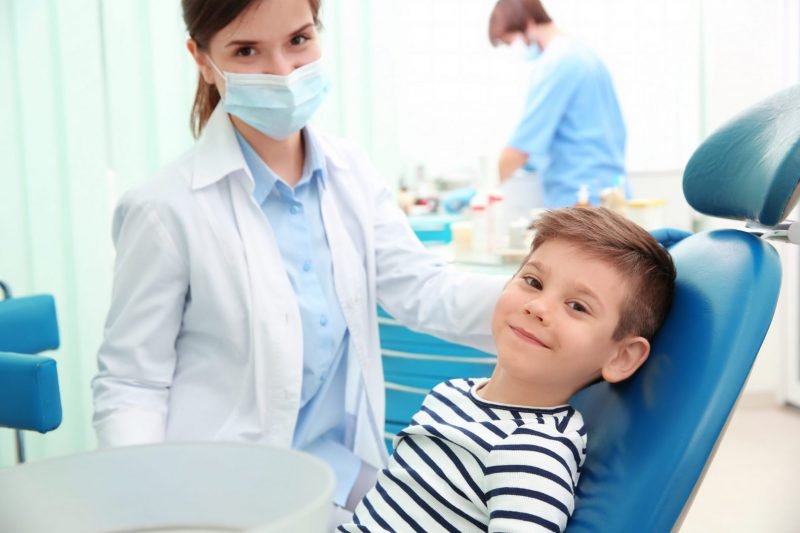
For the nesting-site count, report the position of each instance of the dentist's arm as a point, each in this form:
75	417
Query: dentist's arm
418	289
137	357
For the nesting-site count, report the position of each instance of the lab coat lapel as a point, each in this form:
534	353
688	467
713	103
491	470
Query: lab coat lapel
276	331
364	373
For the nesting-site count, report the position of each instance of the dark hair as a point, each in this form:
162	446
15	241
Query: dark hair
627	247
510	16
203	19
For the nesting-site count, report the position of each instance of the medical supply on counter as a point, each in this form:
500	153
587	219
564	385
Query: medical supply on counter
583	196
614	197
497	223
404	199
457	199
519	234
478	216
461	232
648	212
432	229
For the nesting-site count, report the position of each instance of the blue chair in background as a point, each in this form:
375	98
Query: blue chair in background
29	392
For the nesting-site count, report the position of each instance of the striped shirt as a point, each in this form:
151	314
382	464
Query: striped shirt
465	464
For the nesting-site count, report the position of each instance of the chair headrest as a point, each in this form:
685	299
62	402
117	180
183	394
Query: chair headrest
28	324
749	169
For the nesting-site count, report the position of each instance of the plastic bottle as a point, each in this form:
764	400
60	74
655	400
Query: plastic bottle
480	237
583	196
496	225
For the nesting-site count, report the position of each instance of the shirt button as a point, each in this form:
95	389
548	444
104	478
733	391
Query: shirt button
306	266
294	209
323	321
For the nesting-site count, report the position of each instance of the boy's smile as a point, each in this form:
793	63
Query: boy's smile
554	325
528	337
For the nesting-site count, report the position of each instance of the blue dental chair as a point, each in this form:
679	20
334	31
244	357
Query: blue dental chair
651	438
29	392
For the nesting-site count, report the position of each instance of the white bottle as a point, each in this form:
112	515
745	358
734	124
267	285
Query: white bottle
480	237
497	226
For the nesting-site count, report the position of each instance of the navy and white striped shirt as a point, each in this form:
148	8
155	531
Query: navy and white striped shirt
464	464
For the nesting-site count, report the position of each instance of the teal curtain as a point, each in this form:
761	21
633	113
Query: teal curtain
95	95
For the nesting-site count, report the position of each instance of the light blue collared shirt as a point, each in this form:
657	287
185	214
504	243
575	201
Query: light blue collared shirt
295	216
572	127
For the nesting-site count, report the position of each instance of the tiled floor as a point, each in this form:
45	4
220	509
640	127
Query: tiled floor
753	483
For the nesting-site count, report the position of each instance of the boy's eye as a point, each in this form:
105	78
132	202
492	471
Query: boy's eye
577	306
245	51
533	282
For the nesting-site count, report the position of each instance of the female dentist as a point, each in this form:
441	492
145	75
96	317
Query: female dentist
248	271
571	132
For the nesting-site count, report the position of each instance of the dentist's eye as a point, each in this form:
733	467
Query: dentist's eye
245	51
577	306
297	40
533	282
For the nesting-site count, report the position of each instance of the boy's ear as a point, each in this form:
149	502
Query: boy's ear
631	354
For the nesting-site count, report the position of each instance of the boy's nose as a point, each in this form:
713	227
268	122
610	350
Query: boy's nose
537	308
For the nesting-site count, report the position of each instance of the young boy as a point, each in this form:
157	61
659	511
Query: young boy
505	454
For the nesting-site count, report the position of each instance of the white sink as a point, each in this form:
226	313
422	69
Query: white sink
176	487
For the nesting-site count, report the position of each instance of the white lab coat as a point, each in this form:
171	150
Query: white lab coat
203	338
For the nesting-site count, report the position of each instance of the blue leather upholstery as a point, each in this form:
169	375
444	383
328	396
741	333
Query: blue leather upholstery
650	438
29	393
28	324
750	168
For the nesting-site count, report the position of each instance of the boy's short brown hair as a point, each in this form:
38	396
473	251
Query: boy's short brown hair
627	247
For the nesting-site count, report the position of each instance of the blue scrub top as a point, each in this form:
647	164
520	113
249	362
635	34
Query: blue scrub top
572	127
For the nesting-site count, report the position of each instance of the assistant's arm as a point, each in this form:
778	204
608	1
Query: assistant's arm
510	161
137	357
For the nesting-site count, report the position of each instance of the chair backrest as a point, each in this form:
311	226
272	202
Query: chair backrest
28	324
650	438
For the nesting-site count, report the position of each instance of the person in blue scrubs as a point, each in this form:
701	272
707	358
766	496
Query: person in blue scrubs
571	132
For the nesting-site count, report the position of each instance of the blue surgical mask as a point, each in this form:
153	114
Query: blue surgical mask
525	51
277	106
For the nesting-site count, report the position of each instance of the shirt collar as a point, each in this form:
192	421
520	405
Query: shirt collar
265	178
218	154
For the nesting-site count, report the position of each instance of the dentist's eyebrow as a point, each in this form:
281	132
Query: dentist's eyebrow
241	43
302	29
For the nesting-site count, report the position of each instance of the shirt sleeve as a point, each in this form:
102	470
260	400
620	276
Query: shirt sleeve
137	357
530	480
553	84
